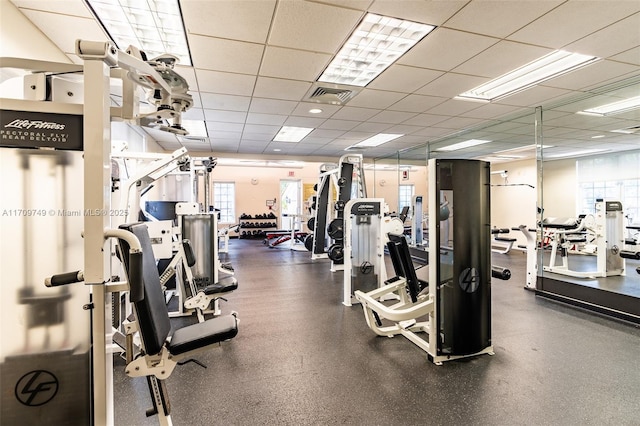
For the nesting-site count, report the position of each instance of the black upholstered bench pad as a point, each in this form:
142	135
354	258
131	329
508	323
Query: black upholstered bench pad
222	286
504	239
202	334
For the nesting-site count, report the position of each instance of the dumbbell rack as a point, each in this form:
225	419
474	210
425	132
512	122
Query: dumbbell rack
254	226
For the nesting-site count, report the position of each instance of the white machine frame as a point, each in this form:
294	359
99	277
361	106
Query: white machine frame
609	241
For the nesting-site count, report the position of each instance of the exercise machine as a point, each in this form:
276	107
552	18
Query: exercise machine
450	317
606	230
499	242
417	219
365	235
347	181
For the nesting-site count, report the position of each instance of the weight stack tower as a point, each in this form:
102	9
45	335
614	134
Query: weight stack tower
460	256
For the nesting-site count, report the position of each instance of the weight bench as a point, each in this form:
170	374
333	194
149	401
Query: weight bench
499	244
275	238
161	350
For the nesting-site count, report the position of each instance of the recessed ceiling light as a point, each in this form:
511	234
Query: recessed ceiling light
153	26
315	110
378	139
292	134
462	145
374	45
597	137
544	68
614	107
277	149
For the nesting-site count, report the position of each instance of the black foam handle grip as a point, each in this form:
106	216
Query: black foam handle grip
136	285
500	272
64	279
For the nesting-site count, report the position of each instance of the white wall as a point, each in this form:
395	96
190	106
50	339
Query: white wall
559	188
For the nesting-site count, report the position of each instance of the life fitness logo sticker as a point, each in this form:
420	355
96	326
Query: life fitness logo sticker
469	280
36	388
25	129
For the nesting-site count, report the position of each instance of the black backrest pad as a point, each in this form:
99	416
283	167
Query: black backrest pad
151	311
406	264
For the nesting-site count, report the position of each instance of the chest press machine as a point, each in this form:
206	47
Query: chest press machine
450	316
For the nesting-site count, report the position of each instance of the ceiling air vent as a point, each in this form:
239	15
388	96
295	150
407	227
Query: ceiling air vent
191	139
333	94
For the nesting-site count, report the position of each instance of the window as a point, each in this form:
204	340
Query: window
224	199
625	187
405	196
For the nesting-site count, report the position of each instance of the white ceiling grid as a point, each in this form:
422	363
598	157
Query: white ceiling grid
255	62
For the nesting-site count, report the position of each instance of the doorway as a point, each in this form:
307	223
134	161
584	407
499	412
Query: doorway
290	203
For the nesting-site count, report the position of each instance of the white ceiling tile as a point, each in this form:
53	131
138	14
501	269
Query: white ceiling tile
425	120
492	111
349	4
276	88
631	56
499	18
573	20
370	127
370	98
626	34
328	133
401	78
293	64
63	7
222	135
193	114
225	83
453	107
225	116
427	12
245	20
460	123
56	27
433	132
593	75
225	55
304	121
227	102
444	49
261	129
335	124
501	58
534	96
303	25
416	103
450	85
392	117
356	114
404	129
272	106
226	127
257	118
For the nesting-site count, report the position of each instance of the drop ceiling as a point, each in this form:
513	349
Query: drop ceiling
256	61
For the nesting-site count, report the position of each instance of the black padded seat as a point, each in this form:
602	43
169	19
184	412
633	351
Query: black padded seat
202	334
224	285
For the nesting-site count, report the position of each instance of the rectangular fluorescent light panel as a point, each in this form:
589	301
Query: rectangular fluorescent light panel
154	26
462	145
292	134
374	45
615	107
575	153
549	66
378	139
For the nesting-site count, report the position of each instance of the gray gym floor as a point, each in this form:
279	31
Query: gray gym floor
302	358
